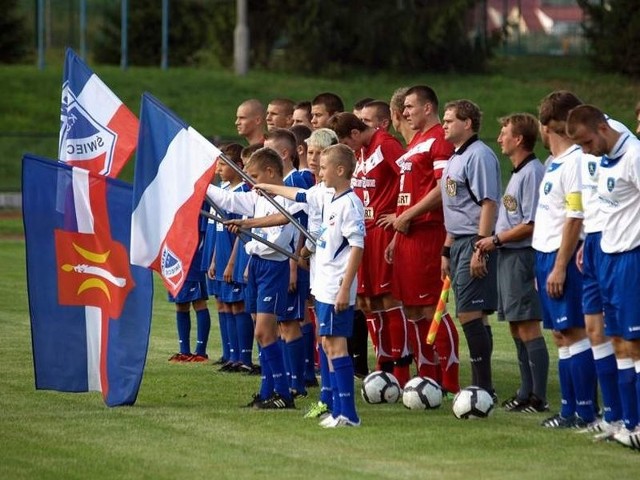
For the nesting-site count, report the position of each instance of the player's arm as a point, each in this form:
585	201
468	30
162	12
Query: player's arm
485	228
570	237
242	203
274	220
282	190
515	234
227	275
445	257
431	201
342	298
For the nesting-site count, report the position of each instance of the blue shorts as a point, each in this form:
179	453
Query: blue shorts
332	324
230	292
191	291
621	278
564	312
267	286
212	287
297	302
591	271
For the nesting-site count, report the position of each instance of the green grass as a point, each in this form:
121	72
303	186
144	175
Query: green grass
187	423
207	99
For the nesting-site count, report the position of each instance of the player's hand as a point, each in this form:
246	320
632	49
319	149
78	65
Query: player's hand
445	268
402	223
478	265
580	257
342	300
227	275
555	282
388	252
485	245
211	272
245	274
386	221
234	225
262	187
293	276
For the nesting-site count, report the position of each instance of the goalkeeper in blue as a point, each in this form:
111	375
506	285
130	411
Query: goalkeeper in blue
339	249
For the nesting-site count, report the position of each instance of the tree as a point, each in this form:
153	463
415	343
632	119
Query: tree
14	37
612	29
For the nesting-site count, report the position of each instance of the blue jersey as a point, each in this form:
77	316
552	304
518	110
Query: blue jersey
225	240
297	179
196	271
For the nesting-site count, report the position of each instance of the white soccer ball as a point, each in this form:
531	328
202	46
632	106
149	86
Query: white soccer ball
422	393
472	402
380	387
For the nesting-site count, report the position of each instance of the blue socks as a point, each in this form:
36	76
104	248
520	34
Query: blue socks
183	322
244	327
628	393
295	354
273	358
607	371
309	342
266	379
232	334
567	395
204	326
224	337
336	411
326	390
583	372
343	371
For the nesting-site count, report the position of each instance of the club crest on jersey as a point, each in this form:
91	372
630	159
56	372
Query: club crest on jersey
171	266
332	219
510	203
451	187
611	183
592	168
547	187
82	137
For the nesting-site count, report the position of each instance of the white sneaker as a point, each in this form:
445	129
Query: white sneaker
343	421
328	421
628	438
605	430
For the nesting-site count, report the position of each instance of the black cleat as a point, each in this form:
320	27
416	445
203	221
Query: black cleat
275	402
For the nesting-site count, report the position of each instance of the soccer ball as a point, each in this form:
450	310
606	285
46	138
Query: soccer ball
472	402
422	393
380	387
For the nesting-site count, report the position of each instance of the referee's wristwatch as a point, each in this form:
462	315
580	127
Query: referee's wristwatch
496	240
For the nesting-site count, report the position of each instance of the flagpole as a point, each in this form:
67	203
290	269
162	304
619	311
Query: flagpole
271	200
249	233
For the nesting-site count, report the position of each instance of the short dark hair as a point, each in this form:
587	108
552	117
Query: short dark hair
267	157
233	151
360	104
525	125
285	103
466	110
301	132
285	135
383	111
554	109
332	102
588	115
425	94
342	123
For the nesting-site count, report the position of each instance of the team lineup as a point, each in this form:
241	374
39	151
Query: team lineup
386	222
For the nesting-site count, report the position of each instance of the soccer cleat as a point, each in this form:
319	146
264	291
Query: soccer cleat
317	410
254	400
328	421
198	358
628	438
534	405
275	402
558	421
250	369
227	367
220	361
515	404
296	394
180	358
343	421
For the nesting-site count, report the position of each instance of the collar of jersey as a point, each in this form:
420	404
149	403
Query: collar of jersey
530	157
466	144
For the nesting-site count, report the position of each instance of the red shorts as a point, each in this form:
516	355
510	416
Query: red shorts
374	275
416	265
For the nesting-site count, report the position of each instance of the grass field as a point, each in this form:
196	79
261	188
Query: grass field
188	423
207	99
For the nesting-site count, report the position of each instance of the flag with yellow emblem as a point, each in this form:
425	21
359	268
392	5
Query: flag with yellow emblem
90	309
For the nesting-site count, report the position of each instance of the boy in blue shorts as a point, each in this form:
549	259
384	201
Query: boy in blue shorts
268	273
193	292
339	249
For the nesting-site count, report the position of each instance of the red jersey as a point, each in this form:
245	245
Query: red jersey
420	168
375	179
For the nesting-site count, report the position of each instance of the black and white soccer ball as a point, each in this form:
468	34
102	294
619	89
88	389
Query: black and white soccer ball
472	402
422	393
380	387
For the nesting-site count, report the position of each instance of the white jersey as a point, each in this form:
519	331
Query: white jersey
619	195
342	228
314	224
589	167
559	199
252	204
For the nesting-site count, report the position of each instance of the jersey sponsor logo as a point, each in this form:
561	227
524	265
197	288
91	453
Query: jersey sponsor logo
267	299
404	199
332	219
384	285
611	184
363	183
510	203
423	295
451	187
361	228
591	166
406	166
547	188
368	213
366	198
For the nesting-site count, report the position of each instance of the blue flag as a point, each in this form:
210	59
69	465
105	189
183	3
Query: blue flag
90	309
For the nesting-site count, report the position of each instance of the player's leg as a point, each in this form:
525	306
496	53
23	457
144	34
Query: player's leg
203	322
